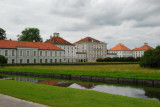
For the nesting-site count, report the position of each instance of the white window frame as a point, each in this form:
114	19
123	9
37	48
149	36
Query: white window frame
5	52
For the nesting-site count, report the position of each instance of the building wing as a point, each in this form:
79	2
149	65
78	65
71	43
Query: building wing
10	44
144	47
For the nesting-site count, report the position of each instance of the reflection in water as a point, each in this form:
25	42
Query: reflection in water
112	89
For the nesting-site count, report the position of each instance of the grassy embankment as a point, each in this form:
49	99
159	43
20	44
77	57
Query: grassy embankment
68	97
121	70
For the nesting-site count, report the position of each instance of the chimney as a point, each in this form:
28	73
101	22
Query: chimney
145	43
56	34
50	37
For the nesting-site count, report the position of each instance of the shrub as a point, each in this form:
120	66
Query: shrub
151	58
3	60
117	59
100	60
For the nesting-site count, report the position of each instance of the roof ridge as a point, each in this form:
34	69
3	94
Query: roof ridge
144	47
59	40
120	47
40	45
87	39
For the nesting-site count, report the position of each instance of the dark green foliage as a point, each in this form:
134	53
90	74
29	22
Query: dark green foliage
80	63
117	59
3	60
30	34
2	34
100	60
151	58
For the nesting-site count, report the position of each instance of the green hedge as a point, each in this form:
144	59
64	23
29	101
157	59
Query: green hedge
117	59
81	63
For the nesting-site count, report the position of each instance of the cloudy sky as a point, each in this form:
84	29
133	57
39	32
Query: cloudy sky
131	22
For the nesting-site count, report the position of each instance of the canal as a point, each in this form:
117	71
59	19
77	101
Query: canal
117	89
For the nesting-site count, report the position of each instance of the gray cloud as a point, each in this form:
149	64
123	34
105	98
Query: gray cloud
131	22
107	12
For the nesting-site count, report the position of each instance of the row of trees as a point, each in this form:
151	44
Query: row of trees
117	59
151	58
28	34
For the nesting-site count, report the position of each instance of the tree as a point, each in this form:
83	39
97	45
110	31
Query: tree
151	58
2	34
3	60
30	34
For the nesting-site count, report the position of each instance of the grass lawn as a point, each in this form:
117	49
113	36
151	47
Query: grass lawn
119	70
68	97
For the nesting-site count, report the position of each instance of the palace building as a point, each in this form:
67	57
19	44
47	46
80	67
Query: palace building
69	48
30	52
139	52
92	48
120	50
58	50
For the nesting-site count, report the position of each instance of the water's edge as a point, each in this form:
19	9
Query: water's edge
141	82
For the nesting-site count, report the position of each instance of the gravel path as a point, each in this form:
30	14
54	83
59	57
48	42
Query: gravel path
8	101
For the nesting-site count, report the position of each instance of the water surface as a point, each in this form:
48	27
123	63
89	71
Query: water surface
124	90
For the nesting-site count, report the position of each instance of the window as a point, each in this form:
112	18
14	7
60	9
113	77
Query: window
60	60
60	53
12	61
50	53
27	60
27	53
45	60
55	60
21	61
50	60
12	52
55	53
45	53
6	52
21	53
40	53
34	60
34	53
40	60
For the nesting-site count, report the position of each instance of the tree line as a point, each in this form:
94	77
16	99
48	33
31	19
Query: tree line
151	58
28	34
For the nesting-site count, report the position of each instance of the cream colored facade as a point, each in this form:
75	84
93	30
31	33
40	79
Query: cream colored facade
138	53
69	52
32	55
93	50
121	53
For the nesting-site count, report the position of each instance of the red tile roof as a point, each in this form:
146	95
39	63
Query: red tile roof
144	47
40	45
87	39
58	40
120	47
48	82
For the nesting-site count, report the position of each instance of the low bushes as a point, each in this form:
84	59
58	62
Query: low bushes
81	63
117	59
